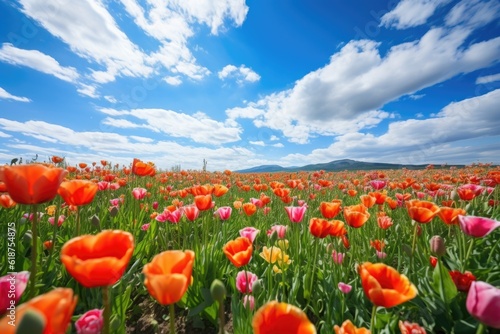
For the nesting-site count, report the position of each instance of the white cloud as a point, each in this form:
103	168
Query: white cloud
142	139
257	143
405	143
38	61
94	146
274	138
241	74
487	79
88	90
8	96
411	13
473	13
173	80
4	135
198	127
416	96
279	145
345	95
92	33
110	99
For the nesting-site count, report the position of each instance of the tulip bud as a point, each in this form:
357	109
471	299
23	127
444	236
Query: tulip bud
32	322
257	287
218	290
95	220
113	211
437	245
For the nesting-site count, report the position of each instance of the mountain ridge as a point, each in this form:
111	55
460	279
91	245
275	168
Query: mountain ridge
335	165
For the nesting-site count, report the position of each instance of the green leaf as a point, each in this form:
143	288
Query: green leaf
443	284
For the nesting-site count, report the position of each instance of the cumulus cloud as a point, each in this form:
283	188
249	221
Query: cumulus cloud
198	127
346	95
38	61
93	145
92	33
487	79
417	141
240	74
411	13
8	96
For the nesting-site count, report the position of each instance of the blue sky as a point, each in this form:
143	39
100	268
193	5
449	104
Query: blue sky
245	83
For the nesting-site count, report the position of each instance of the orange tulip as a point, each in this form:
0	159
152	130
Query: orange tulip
249	208
449	216
203	202
368	200
141	168
55	159
321	228
379	197
421	211
281	318
349	328
330	209
78	192
168	275
55	307
98	260
32	183
356	215
384	286
238	251
82	165
6	201
220	190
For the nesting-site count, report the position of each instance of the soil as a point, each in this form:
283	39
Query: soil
154	320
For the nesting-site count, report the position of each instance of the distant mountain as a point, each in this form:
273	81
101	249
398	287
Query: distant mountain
332	166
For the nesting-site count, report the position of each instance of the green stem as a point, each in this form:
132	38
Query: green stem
469	251
372	321
107	310
413	246
172	318
480	328
34	251
77	221
313	265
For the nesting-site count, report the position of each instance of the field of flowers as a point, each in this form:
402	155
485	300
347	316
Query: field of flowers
99	248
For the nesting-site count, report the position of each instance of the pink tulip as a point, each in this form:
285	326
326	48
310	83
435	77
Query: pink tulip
296	213
139	193
191	212
249	232
12	287
60	220
249	302
477	227
155	205
483	303
381	255
279	229
257	202
337	257
116	201
90	323
377	184
173	216
301	202
244	282
103	185
114	186
224	212
345	288
145	227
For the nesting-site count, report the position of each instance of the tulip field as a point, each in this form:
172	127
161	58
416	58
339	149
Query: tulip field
103	248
